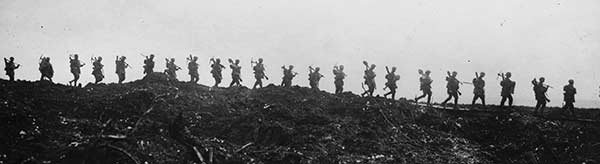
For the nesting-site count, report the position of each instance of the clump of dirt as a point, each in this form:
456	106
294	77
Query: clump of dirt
158	121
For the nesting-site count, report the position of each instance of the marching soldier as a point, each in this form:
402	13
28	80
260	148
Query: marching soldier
9	67
216	69
369	79
391	78
478	91
314	77
46	69
171	69
569	97
75	65
425	87
508	88
259	72
452	87
236	72
338	71
540	89
121	66
193	68
288	76
149	64
97	69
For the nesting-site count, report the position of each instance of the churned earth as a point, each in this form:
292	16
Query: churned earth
157	121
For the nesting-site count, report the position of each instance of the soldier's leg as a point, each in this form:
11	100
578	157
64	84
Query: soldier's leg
475	97
232	82
537	106
502	101
572	108
420	97
510	100
11	75
429	97
447	99
455	95
482	99
394	94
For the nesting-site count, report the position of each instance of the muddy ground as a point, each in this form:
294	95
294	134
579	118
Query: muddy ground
156	121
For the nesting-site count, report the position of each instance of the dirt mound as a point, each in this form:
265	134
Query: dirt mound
159	121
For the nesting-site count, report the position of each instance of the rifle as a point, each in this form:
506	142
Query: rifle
387	70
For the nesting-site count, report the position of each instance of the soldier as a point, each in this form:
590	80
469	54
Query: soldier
97	69
193	69
9	67
425	86
149	64
120	70
540	89
236	72
508	88
76	65
369	79
391	78
452	88
46	68
338	71
259	72
216	69
569	96
171	69
478	91
288	75
314	77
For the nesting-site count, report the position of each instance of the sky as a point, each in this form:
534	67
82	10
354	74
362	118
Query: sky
556	39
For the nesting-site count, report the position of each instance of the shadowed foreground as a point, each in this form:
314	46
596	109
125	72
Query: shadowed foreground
157	121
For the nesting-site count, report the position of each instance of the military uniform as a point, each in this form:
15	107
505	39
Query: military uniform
478	90
339	80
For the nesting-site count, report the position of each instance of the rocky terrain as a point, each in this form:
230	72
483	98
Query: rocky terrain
157	121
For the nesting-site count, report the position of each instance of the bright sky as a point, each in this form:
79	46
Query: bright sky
557	39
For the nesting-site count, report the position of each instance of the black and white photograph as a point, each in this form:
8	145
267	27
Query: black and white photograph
300	82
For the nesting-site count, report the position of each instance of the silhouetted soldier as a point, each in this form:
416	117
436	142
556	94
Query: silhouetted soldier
508	88
149	64
193	69
391	78
288	75
425	87
46	69
171	69
314	77
478	90
540	95
259	72
236	72
216	69
452	87
369	79
569	97
9	67
121	66
75	68
97	69
338	71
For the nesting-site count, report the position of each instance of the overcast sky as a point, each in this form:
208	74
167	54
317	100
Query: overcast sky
557	39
